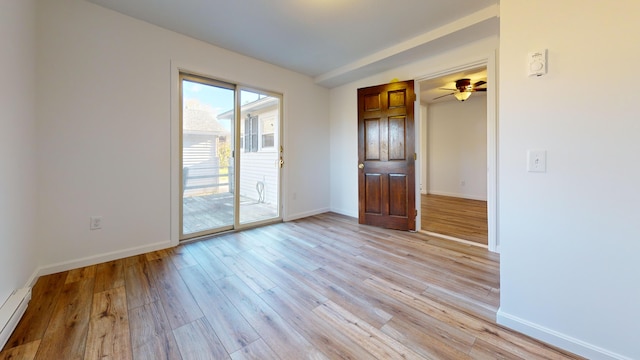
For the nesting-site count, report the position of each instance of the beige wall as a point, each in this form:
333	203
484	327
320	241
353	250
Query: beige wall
18	189
106	81
457	148
569	237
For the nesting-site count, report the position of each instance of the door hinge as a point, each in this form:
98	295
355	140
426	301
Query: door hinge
415	213
415	156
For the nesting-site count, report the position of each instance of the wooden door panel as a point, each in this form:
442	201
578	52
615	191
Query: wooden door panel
398	204
373	189
372	139
397	135
386	180
371	102
397	98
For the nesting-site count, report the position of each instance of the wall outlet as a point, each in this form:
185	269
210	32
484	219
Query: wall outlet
95	222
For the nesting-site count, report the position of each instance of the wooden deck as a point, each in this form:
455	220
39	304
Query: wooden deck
215	211
323	287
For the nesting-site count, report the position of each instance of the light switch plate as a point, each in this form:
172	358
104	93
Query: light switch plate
537	161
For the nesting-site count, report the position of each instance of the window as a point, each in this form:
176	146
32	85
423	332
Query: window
267	132
250	133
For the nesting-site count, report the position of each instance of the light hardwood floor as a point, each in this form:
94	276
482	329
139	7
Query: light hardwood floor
456	217
323	287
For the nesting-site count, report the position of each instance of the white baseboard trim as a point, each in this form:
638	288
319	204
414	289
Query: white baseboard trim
344	212
555	338
463	196
447	237
11	312
291	217
100	258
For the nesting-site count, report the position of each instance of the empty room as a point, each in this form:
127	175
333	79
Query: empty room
255	180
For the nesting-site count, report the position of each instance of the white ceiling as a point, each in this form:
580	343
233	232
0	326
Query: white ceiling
334	41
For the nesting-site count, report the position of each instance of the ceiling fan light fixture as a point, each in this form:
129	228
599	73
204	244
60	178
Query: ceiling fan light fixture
462	95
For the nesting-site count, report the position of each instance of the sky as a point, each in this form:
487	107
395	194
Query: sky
218	98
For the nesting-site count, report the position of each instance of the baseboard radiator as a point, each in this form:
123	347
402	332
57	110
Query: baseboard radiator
11	312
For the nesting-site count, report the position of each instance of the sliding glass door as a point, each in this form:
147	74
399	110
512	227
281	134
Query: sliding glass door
259	181
221	191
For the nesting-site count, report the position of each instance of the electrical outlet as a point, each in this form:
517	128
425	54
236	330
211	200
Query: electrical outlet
95	222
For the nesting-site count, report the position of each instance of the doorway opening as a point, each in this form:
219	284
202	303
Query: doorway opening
229	156
457	147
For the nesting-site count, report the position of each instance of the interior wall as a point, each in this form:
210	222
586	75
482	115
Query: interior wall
17	145
457	148
569	237
105	130
344	117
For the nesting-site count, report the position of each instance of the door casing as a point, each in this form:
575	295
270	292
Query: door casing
488	61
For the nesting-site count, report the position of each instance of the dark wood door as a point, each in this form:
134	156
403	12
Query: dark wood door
386	162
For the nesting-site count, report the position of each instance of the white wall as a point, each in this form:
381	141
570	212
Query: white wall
104	83
17	145
457	148
344	117
569	237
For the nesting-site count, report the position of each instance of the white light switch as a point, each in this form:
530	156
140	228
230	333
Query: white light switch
537	161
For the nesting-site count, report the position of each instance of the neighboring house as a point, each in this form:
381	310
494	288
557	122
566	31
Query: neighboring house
203	137
259	139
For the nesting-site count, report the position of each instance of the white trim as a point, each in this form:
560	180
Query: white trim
556	338
447	237
11	312
346	212
100	258
305	214
488	61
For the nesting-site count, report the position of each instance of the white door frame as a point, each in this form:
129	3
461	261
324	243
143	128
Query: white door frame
489	61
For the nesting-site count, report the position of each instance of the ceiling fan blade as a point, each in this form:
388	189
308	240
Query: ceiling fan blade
479	83
443	96
482	89
448	89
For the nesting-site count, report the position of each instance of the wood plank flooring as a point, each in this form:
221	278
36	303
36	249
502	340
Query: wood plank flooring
456	217
323	287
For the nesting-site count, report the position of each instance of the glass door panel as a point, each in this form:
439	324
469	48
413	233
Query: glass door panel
208	119
260	153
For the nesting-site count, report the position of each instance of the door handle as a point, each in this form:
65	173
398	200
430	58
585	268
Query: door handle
361	166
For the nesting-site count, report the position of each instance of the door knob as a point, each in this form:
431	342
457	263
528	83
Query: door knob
361	166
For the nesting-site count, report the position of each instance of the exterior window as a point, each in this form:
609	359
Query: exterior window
267	131
250	133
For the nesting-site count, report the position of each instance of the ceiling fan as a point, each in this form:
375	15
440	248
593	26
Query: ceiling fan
463	89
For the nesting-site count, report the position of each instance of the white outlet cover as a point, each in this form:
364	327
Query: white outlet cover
95	222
